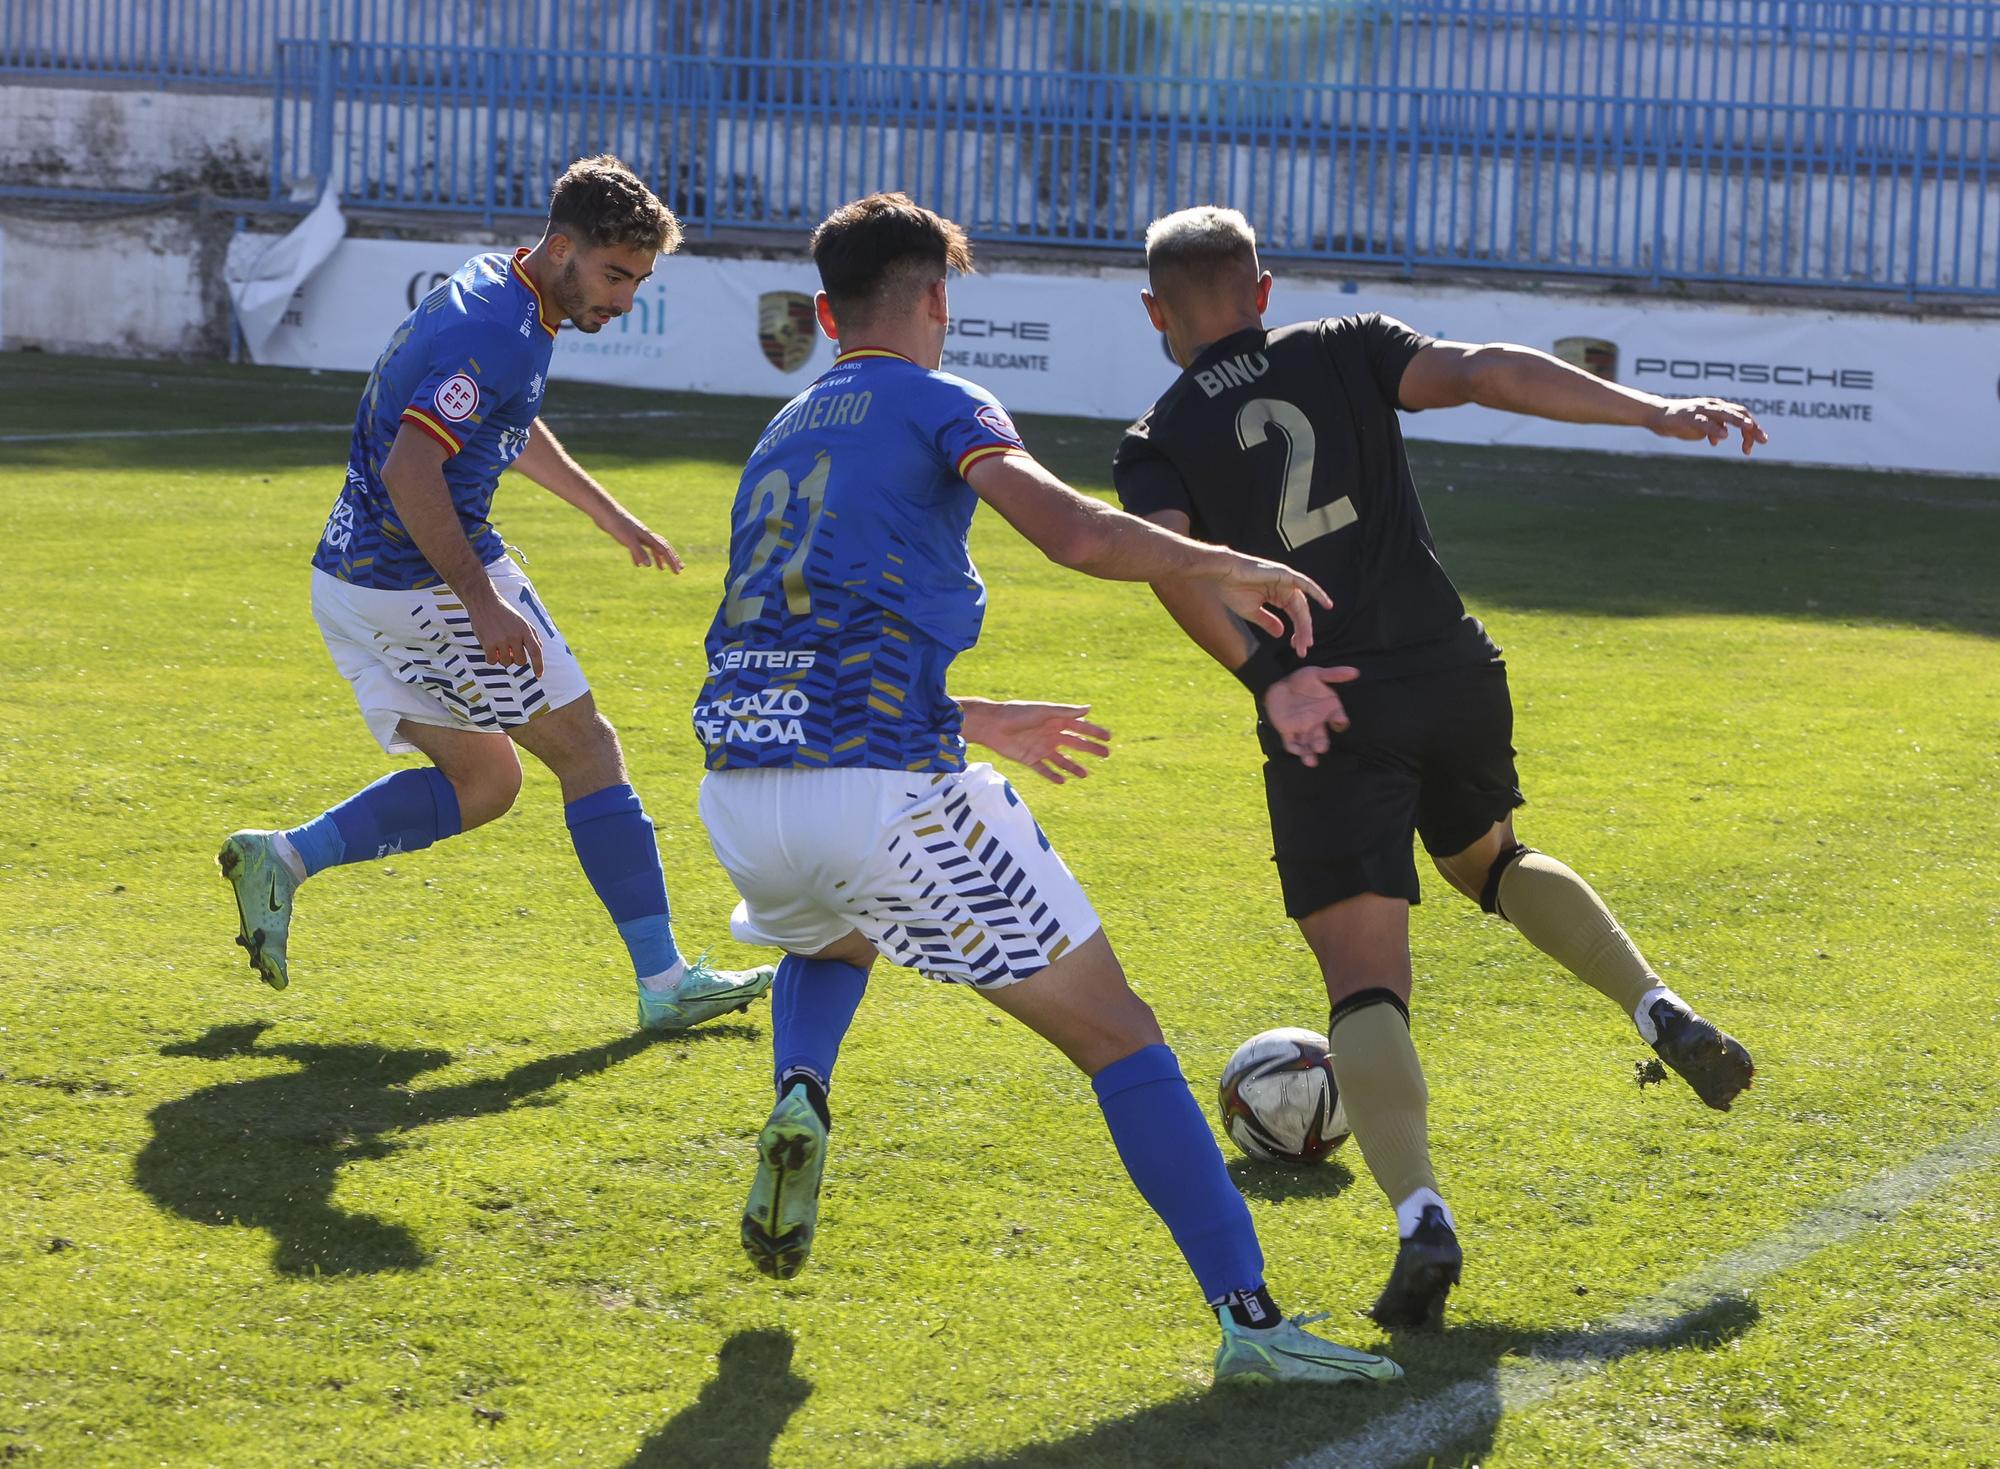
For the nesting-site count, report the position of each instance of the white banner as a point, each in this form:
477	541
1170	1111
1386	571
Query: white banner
1856	389
271	277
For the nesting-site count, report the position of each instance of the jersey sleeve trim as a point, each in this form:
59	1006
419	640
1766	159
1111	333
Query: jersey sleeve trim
541	308
432	427
984	451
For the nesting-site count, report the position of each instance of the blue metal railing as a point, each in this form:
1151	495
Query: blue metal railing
1811	142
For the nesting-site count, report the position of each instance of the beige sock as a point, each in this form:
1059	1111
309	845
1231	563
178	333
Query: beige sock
1557	912
1382	1087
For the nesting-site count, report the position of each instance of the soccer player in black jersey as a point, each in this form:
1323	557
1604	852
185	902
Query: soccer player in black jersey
1284	443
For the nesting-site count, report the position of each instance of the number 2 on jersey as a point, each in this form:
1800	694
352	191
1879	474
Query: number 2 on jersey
1297	523
771	498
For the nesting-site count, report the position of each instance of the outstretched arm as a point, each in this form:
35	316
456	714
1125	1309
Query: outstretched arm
1300	705
1036	735
548	464
1517	379
413	474
1086	535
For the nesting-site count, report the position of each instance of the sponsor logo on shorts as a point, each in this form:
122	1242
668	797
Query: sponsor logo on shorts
997	422
457	396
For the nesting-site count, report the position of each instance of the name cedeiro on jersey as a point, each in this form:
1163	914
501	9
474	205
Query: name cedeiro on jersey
1233	372
826	410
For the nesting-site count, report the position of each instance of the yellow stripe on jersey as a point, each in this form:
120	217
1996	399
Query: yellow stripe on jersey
972	456
435	429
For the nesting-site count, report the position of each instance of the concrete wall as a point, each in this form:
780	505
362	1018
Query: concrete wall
80	137
152	280
137	286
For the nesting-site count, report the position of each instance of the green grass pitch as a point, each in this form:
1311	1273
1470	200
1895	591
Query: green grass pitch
437	1205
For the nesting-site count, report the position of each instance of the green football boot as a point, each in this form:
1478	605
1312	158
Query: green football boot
264	886
702	994
1287	1353
778	1220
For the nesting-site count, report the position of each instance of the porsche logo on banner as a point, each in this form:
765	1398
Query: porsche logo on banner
786	328
1592	354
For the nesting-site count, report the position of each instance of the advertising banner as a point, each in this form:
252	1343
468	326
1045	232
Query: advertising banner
1846	388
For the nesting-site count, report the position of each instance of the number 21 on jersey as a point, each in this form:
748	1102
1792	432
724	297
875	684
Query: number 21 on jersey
1298	524
770	500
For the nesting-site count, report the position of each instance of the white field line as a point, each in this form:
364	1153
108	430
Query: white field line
86	434
1420	1429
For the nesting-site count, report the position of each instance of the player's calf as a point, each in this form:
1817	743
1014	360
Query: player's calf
1387	1102
1560	914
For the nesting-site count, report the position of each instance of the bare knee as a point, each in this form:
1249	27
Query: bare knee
486	788
1362	943
1132	1027
851	949
1471	870
580	746
1082	1006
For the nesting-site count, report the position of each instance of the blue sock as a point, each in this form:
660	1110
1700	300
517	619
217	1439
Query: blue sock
1166	1146
613	836
404	812
812	1004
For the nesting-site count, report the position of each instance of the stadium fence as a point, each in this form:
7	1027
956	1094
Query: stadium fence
1844	143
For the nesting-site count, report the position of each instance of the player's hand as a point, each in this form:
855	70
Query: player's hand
646	549
1306	712
506	638
1251	587
1706	418
1037	735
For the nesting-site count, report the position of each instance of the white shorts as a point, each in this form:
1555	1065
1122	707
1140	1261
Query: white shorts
411	655
947	874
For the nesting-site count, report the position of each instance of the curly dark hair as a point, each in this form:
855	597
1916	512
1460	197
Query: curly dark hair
599	201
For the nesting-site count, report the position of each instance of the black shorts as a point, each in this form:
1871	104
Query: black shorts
1430	754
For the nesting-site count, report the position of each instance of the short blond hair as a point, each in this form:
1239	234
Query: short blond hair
1202	246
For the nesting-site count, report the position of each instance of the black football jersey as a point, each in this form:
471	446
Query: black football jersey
1285	444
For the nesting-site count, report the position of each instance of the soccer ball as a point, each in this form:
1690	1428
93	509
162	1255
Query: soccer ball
1278	1099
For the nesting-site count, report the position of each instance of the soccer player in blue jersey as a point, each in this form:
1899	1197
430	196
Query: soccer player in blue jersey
448	649
839	796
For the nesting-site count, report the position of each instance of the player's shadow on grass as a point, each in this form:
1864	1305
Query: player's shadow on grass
740	1412
266	1152
1277	1182
1446	1411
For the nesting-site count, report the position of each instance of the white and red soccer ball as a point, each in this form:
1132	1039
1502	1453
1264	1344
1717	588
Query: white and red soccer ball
1278	1099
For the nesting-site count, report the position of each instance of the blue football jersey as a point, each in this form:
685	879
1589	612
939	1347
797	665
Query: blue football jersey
850	588
466	367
